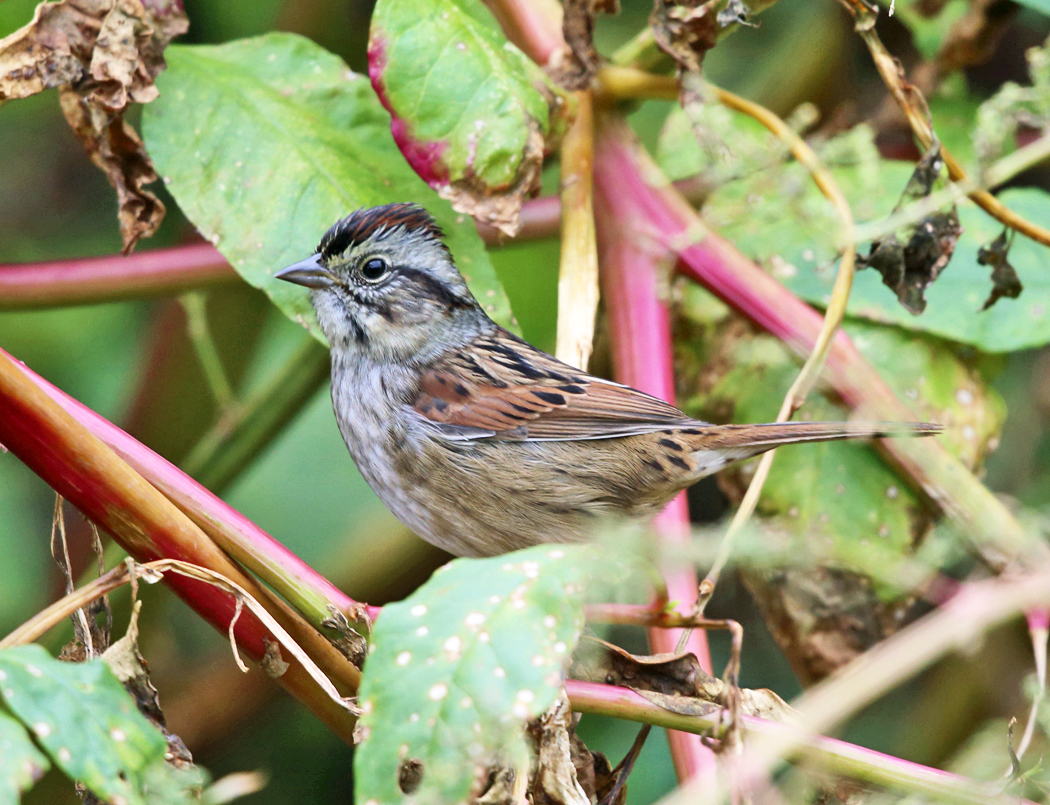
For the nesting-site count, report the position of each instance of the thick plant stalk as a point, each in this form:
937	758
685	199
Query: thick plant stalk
149	526
642	349
245	429
578	277
109	279
642	357
630	183
307	589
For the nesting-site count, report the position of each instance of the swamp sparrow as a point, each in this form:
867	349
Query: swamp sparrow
474	439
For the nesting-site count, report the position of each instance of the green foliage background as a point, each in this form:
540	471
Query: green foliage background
133	363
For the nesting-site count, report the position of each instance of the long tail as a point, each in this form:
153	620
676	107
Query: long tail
743	441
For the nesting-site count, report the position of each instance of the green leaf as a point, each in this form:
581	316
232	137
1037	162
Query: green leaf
776	215
456	669
1015	106
470	110
84	719
839	501
21	763
267	142
954	301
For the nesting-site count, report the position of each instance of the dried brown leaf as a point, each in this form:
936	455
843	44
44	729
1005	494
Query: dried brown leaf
577	68
102	55
1005	281
675	682
912	259
116	149
686	30
554	779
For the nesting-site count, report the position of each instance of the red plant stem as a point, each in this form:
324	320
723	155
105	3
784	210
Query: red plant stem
659	217
532	25
107	279
234	532
829	755
82	469
642	357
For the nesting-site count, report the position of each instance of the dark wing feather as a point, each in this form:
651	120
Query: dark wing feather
505	388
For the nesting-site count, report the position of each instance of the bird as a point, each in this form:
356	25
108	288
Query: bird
475	439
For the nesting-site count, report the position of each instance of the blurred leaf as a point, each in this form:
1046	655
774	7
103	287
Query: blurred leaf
1005	281
776	215
1015	106
21	763
470	110
266	142
456	669
928	30
1039	5
84	719
727	143
954	302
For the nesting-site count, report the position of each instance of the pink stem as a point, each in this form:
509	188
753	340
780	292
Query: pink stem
642	358
834	756
658	216
234	532
104	279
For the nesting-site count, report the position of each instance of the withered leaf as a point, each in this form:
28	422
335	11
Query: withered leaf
103	55
675	682
116	149
1005	281
913	257
555	778
686	30
581	63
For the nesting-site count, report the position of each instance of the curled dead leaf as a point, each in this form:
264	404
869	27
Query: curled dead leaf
1005	281
912	258
103	55
112	144
686	30
675	682
577	67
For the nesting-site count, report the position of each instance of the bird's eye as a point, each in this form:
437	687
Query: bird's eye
374	269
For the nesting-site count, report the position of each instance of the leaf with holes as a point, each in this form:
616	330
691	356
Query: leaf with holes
267	142
470	111
84	719
456	669
21	763
773	212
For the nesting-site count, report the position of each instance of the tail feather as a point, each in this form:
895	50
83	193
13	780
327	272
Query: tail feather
749	440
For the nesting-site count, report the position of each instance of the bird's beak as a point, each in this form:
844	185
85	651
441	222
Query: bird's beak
309	272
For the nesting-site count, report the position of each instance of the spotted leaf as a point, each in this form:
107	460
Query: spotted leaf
470	111
83	719
21	763
267	142
456	669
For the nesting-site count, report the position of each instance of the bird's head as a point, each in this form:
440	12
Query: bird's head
383	282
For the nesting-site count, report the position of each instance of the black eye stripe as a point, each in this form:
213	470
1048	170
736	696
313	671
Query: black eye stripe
435	288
